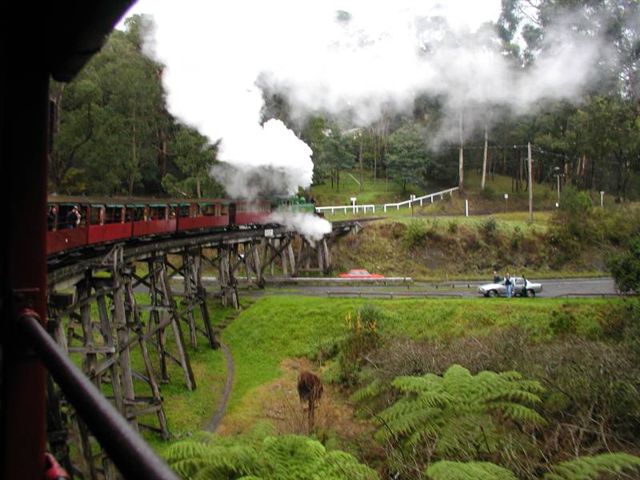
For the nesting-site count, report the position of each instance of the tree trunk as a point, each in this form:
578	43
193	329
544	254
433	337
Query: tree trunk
375	157
361	168
134	155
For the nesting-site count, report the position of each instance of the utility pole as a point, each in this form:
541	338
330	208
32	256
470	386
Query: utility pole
484	158
530	183
461	158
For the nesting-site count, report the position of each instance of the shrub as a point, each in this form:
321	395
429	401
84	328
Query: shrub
562	323
489	227
362	337
416	233
488	193
574	202
625	268
591	386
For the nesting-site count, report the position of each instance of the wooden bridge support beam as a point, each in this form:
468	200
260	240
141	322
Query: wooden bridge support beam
195	297
226	278
315	256
279	249
163	312
130	329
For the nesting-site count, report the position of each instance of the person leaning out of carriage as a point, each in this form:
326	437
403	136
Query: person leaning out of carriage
74	217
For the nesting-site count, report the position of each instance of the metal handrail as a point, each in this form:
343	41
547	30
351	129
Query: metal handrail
128	451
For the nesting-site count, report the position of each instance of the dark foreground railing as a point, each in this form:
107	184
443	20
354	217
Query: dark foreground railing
128	451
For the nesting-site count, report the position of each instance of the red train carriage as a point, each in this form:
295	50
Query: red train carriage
204	214
75	222
153	218
108	223
66	226
252	212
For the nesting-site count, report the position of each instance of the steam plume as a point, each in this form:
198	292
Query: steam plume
335	56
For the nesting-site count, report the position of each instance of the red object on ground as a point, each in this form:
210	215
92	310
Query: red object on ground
360	273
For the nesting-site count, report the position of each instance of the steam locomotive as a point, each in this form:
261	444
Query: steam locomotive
76	222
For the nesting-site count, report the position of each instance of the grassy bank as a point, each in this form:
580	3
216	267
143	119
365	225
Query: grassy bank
277	328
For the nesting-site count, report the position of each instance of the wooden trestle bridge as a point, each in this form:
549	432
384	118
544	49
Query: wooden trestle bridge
128	347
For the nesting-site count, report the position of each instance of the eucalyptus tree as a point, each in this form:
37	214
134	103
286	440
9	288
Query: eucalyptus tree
407	157
109	120
194	156
337	154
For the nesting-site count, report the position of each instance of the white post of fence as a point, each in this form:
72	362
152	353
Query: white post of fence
466	208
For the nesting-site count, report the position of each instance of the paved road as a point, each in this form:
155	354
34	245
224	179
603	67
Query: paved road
578	287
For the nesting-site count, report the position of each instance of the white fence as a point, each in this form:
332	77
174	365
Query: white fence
345	208
420	200
372	208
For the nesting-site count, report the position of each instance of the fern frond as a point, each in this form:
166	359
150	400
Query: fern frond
187	468
288	457
519	413
186	450
445	470
412	420
591	467
342	465
372	390
428	382
457	407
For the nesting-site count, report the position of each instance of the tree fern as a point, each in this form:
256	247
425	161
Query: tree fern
582	468
286	457
369	391
445	470
454	412
593	467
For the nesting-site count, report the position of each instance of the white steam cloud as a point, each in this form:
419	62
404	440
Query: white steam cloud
360	57
312	227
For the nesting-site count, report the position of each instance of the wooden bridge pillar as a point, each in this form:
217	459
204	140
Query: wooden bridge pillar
279	249
226	278
195	298
315	256
163	312
130	330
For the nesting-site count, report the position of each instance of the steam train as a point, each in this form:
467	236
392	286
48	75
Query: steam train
77	222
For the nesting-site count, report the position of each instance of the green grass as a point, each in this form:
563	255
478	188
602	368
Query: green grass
372	191
276	328
481	202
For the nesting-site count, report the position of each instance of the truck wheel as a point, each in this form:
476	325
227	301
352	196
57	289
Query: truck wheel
493	293
531	293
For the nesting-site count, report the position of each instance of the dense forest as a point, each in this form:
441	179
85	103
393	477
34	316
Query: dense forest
114	133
